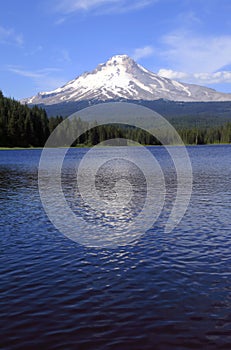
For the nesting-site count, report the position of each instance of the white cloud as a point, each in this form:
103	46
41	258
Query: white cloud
9	36
197	78
213	78
170	74
196	59
143	52
100	6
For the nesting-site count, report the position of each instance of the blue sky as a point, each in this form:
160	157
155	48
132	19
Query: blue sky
45	43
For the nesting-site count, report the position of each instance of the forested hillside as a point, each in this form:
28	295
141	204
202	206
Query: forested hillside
179	114
24	126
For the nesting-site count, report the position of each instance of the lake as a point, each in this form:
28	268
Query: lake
164	291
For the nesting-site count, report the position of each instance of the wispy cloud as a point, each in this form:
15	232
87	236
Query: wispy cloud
192	53
32	74
64	56
44	79
34	51
9	36
196	58
100	6
143	52
188	19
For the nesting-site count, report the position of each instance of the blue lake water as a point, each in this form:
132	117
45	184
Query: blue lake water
166	291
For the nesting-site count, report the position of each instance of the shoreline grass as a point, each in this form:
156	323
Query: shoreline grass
18	148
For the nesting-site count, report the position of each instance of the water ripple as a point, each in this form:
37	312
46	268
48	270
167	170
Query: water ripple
168	291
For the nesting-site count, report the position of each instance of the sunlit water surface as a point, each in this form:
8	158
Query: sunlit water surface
165	291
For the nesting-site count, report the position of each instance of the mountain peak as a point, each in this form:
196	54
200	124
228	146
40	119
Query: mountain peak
119	59
122	78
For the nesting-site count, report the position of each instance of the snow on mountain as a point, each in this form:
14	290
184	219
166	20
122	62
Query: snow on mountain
122	78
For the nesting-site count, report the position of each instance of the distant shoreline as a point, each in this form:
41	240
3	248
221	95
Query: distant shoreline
40	148
18	148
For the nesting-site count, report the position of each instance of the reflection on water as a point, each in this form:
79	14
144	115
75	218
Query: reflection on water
121	189
168	291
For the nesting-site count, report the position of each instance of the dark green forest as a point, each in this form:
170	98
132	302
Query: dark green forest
24	126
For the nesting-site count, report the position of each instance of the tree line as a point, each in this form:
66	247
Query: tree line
203	136
23	126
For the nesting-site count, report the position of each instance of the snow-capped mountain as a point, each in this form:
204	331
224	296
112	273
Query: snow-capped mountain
122	78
